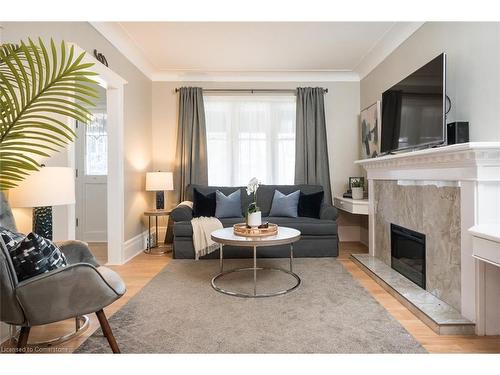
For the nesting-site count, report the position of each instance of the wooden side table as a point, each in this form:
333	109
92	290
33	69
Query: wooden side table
156	214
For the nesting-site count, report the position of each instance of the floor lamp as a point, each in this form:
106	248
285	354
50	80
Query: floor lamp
50	186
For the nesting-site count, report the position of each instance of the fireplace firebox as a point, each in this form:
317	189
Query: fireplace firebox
408	253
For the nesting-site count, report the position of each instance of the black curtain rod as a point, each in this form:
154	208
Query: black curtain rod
252	91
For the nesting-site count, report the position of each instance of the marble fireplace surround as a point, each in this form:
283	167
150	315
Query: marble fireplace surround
433	211
463	182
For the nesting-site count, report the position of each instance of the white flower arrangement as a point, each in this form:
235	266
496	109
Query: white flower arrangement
252	187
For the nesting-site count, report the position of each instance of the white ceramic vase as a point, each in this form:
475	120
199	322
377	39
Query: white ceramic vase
254	219
357	193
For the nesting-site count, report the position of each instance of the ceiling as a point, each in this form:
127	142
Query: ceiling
165	50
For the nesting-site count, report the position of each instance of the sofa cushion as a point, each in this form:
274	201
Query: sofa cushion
203	204
310	204
228	206
307	226
285	205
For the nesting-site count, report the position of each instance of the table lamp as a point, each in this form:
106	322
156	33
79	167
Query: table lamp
159	182
50	186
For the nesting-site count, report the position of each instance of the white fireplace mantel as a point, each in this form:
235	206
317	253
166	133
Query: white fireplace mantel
475	168
475	161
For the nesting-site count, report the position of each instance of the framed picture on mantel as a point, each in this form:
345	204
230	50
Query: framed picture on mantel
370	124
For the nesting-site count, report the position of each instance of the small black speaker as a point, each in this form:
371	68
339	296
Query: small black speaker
457	132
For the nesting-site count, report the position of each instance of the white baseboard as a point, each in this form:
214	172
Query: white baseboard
349	233
134	246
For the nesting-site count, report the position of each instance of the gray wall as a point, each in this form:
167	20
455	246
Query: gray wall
473	71
137	132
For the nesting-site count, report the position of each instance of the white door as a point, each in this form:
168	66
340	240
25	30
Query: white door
91	178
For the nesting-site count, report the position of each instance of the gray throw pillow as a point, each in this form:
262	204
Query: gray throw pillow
229	206
285	205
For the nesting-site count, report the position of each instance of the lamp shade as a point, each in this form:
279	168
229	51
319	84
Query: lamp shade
50	186
159	181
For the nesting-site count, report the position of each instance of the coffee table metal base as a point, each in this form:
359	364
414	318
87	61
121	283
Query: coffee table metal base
254	269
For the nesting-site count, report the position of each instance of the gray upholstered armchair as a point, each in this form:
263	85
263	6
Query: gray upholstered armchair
82	287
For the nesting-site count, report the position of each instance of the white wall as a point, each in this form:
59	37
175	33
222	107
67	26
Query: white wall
473	71
341	107
137	116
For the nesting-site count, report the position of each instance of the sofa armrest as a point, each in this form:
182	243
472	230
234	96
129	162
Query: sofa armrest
65	293
77	252
182	212
328	212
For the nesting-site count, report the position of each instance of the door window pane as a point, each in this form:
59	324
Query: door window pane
96	145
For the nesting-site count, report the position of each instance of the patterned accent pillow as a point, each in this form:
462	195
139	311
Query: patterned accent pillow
33	255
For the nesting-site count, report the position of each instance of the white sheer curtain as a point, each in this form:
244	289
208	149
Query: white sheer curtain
250	136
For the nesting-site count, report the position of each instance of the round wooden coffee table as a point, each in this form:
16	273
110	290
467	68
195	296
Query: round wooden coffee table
226	236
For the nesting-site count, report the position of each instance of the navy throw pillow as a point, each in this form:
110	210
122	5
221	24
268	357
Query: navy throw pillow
33	255
285	205
310	204
203	205
228	206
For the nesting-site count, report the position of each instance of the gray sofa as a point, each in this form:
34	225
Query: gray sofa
319	235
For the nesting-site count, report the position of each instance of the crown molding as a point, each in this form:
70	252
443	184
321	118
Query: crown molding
391	40
256	76
115	34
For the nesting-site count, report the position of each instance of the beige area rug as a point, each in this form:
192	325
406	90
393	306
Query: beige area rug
179	312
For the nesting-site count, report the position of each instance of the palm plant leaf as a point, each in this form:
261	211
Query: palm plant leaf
38	85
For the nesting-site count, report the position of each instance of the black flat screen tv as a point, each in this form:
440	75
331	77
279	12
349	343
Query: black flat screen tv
413	111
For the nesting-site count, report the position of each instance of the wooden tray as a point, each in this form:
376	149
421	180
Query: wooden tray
241	229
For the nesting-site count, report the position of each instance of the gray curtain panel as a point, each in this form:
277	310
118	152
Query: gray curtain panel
191	153
311	150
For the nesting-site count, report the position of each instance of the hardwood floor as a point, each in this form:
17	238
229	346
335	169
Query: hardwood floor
141	269
431	341
100	251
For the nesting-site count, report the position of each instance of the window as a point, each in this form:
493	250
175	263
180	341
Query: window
96	145
250	136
